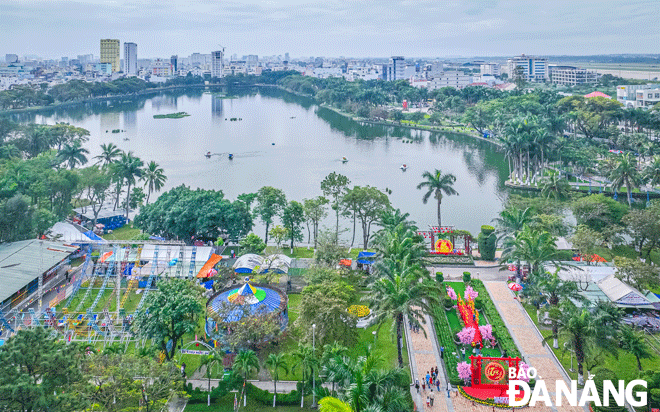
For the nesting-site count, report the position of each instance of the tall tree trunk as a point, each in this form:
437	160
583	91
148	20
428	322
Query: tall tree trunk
275	391
399	336
148	196
128	199
337	224
439	214
354	219
266	238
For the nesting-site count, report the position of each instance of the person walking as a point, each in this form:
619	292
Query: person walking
428	401
423	385
432	397
463	352
428	378
442	352
448	389
417	385
437	385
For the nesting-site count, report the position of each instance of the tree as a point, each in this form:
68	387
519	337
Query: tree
40	373
636	273
314	212
325	305
96	182
532	246
554	187
625	174
555	290
303	358
278	233
293	216
209	362
643	227
276	362
73	154
330	404
252	244
652	172
249	329
246	363
399	294
586	240
598	211
370	203
512	220
109	153
129	169
154	178
171	312
329	251
334	186
634	342
270	203
436	184
577	326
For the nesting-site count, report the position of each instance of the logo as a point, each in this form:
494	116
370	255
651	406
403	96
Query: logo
494	371
520	393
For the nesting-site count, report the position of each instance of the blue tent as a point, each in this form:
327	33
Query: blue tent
92	235
366	258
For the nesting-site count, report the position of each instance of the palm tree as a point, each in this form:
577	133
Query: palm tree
554	187
303	358
577	326
398	247
154	178
634	342
73	154
511	221
245	363
436	184
276	362
332	354
330	404
109	153
535	247
400	293
210	361
129	169
625	174
652	172
556	290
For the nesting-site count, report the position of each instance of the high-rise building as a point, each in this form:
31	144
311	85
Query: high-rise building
85	58
286	57
174	61
217	63
110	53
130	58
395	70
490	68
252	59
11	58
533	69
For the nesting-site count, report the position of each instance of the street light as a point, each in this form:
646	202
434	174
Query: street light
313	375
374	333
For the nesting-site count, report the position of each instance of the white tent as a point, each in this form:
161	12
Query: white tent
66	232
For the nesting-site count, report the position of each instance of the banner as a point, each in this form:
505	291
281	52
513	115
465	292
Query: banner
195	352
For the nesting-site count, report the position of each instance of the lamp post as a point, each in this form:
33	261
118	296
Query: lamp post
313	375
374	333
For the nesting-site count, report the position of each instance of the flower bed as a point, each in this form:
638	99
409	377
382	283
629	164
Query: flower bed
449	260
360	311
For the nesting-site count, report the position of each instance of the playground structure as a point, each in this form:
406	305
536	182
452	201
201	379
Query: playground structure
106	291
230	305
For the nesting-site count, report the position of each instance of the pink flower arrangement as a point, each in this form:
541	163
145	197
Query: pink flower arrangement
466	336
464	371
522	366
486	332
451	293
470	293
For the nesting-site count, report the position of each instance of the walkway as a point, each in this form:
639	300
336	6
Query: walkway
528	340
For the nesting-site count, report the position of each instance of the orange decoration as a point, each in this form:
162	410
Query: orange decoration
494	371
444	246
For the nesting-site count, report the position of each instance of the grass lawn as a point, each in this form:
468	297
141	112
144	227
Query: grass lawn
355	251
298	252
625	366
126	232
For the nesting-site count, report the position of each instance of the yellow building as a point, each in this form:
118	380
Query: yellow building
110	53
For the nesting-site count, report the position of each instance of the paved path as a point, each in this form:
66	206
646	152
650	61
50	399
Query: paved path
532	348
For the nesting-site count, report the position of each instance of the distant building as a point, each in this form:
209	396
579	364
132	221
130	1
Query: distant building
492	69
235	67
533	69
217	63
627	94
252	59
130	59
647	97
456	79
110	53
174	61
395	69
162	68
103	68
571	76
11	58
85	58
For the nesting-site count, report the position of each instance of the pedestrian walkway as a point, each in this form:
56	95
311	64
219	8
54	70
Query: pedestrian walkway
526	337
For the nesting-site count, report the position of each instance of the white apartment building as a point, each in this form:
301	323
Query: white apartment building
647	97
627	94
534	69
492	69
130	59
217	63
571	76
456	79
326	72
162	68
235	67
11	58
395	70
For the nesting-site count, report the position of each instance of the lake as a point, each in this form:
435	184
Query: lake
287	141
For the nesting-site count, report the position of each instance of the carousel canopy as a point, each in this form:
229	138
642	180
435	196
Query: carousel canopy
247	295
366	258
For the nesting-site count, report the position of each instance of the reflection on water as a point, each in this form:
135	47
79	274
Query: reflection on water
289	142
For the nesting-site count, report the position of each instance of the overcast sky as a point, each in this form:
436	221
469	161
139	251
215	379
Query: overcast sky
351	28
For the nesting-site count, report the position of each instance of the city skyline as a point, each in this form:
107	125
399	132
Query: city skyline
413	28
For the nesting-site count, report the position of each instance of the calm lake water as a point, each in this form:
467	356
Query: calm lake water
309	142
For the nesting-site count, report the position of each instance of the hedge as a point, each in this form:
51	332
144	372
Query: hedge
446	339
266	397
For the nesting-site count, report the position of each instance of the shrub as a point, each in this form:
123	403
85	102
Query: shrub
266	397
467	277
487	242
447	302
439	277
603	374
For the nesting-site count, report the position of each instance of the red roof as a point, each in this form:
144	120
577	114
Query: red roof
597	94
